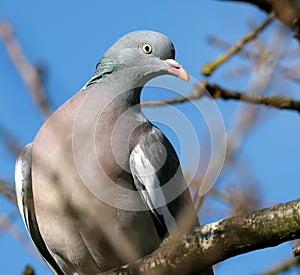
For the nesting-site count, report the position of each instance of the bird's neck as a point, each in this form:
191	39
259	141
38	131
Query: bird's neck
119	90
117	101
130	98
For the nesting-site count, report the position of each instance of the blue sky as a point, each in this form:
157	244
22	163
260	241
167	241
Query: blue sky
68	38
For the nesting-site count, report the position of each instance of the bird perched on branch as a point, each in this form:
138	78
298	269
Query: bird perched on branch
100	186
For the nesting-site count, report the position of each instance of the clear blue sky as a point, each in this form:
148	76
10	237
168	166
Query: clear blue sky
69	37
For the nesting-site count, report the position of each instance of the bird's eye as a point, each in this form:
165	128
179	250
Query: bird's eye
147	48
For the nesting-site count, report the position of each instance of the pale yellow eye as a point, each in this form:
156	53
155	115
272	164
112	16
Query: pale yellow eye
147	48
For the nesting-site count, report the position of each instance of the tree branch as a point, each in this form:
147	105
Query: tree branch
7	190
216	91
197	93
280	102
282	267
287	11
11	142
296	249
29	73
209	67
28	270
216	242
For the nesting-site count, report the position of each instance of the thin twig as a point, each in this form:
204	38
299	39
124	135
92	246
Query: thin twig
282	267
287	11
224	45
296	248
7	223
28	270
209	67
291	74
216	91
11	141
196	94
7	190
29	73
280	102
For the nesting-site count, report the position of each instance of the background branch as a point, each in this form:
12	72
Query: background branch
296	248
208	68
287	11
280	102
216	91
282	267
7	190
30	74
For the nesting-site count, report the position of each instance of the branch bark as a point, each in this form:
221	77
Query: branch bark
28	270
280	102
216	91
216	242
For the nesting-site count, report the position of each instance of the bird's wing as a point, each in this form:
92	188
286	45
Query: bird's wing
153	163
23	185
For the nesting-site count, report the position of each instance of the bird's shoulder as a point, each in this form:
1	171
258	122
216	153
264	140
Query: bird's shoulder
145	132
151	146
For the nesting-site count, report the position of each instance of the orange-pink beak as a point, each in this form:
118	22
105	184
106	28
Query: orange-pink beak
177	70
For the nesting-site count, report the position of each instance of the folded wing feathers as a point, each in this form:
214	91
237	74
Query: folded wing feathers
26	205
148	184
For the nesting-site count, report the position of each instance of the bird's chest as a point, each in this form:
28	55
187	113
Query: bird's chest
113	147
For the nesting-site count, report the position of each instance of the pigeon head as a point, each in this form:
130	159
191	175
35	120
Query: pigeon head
140	56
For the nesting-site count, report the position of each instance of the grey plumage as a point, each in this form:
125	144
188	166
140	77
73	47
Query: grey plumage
64	173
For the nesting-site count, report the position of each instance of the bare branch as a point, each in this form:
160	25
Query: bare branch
196	94
216	242
282	267
296	248
7	190
8	225
209	67
10	140
29	73
216	91
280	102
28	270
291	74
287	11
224	45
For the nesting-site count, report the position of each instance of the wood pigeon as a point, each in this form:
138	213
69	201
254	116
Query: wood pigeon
100	185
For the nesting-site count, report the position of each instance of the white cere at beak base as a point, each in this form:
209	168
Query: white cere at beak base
173	63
